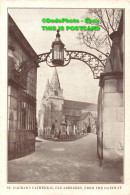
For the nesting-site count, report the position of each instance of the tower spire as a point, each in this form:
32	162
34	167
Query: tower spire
55	83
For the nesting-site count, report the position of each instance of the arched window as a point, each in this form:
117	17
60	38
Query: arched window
56	93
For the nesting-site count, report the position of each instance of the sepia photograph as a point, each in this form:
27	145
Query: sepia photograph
66	95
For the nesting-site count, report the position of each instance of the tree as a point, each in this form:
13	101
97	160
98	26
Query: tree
99	41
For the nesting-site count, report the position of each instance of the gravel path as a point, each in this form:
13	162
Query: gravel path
64	162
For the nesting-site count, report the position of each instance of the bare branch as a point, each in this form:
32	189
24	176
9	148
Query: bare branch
100	40
109	20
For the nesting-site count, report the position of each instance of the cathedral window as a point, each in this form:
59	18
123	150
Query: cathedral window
56	93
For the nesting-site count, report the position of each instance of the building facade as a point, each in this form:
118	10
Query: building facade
22	79
58	115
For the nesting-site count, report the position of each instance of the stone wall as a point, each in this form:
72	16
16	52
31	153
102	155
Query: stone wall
22	80
12	120
111	117
110	135
100	124
32	82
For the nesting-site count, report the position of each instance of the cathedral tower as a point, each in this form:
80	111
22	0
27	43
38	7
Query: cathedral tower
55	100
55	89
52	103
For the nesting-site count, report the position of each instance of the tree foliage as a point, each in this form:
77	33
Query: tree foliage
100	41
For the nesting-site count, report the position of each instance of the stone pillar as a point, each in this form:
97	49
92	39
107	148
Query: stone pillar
100	125
12	121
110	134
112	119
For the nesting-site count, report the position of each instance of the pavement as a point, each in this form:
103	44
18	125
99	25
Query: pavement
64	162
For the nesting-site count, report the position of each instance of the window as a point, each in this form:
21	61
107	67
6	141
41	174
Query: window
56	93
23	118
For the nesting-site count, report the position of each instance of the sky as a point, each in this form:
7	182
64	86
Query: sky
76	79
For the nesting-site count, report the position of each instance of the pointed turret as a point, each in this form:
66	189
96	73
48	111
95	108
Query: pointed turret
55	84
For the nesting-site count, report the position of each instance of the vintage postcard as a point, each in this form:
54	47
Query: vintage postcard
65	101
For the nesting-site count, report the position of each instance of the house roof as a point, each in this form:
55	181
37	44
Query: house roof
83	115
71	117
70	104
17	34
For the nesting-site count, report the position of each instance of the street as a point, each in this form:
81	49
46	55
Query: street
70	161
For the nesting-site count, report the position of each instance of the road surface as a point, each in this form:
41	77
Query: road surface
64	162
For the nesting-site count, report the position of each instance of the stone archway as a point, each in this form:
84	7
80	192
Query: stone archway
110	100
